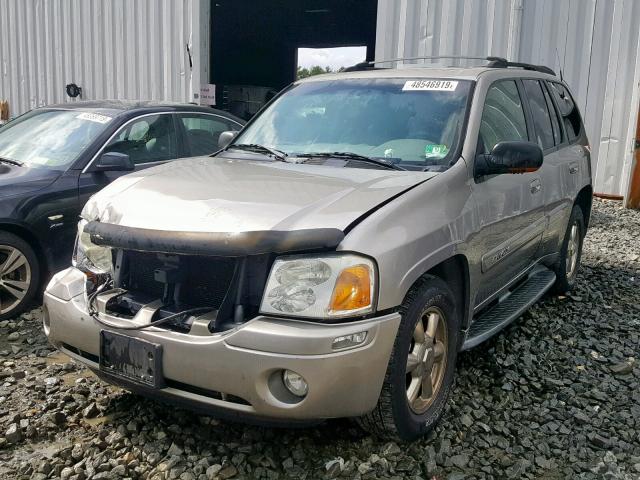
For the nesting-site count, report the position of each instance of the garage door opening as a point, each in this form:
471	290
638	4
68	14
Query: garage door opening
255	45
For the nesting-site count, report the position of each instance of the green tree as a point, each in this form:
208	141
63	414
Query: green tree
304	72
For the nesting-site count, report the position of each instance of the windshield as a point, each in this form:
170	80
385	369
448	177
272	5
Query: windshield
409	122
50	139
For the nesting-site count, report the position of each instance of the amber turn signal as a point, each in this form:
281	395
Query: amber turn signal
352	290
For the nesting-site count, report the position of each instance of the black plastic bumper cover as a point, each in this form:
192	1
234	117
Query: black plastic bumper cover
213	243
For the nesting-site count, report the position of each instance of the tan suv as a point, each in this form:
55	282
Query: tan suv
338	253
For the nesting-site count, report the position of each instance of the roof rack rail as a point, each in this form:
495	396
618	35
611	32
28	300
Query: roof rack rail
499	62
494	62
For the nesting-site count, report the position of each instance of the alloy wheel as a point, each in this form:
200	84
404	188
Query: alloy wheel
15	277
573	249
426	362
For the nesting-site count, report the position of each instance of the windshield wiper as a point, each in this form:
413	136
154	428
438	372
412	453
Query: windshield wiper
351	156
11	162
254	147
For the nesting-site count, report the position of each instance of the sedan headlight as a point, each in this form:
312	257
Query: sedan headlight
330	286
89	257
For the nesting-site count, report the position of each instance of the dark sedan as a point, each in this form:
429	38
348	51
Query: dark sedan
53	159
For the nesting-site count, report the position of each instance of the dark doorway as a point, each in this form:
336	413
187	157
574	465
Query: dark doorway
254	43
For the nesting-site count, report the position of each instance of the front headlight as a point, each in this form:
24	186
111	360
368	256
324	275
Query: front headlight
330	286
89	257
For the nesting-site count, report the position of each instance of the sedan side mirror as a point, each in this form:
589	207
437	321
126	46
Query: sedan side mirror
113	162
225	138
510	157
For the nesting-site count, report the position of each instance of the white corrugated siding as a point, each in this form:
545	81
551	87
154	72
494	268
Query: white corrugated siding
595	42
116	49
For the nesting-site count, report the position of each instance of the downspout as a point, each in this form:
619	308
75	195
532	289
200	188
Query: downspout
515	26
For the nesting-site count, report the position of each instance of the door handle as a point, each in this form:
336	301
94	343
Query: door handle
573	168
535	186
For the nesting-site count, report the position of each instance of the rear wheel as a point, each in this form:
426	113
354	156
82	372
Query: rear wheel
571	252
422	364
19	275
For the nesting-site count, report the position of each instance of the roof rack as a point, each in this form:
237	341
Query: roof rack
494	62
499	62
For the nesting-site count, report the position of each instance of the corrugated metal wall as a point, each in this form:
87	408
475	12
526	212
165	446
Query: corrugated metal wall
119	49
594	42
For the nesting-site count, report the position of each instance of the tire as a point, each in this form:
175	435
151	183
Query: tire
19	275
565	274
394	417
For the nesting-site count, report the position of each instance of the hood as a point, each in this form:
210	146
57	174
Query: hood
207	194
15	180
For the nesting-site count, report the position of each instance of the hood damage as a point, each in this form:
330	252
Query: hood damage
226	196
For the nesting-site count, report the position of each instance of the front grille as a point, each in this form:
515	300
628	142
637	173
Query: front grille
204	281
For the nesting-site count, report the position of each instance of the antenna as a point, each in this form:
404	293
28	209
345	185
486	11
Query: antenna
559	65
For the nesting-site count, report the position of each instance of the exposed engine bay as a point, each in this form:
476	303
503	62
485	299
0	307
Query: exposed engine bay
185	293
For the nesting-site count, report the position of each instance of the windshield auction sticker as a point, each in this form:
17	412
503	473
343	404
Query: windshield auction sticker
435	151
433	85
94	117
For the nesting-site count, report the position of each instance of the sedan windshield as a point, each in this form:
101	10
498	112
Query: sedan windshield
50	138
407	122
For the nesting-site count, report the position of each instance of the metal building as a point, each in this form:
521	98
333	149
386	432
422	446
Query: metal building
595	43
176	49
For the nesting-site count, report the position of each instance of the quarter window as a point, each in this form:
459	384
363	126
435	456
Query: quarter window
502	117
148	139
202	132
568	110
540	113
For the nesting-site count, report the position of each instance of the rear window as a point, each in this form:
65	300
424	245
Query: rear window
540	113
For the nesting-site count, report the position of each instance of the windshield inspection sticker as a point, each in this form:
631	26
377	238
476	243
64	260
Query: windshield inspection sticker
435	151
94	117
434	85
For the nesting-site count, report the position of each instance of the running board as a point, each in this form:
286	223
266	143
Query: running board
510	307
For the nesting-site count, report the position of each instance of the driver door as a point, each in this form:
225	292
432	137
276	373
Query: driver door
509	207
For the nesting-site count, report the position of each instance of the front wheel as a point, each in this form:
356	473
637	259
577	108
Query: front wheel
19	275
422	364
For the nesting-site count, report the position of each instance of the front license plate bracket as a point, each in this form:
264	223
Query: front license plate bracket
131	358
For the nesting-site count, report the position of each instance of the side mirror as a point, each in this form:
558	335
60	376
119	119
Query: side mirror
510	157
113	162
225	138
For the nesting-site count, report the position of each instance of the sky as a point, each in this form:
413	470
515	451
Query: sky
331	57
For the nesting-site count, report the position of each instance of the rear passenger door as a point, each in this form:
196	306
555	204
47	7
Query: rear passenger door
202	130
510	207
560	167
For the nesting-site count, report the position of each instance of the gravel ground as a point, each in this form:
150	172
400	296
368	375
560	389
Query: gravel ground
554	396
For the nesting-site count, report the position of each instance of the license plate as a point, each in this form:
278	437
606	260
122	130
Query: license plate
130	358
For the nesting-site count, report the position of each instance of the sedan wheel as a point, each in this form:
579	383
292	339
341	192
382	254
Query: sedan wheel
427	360
15	278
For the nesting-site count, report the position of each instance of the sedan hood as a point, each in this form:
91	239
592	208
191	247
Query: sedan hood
15	180
225	195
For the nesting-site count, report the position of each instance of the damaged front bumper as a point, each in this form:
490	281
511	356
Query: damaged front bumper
238	373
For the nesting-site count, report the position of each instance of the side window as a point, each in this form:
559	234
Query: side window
555	120
502	116
568	110
202	132
149	139
540	113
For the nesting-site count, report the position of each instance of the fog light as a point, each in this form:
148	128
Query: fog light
348	341
295	383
